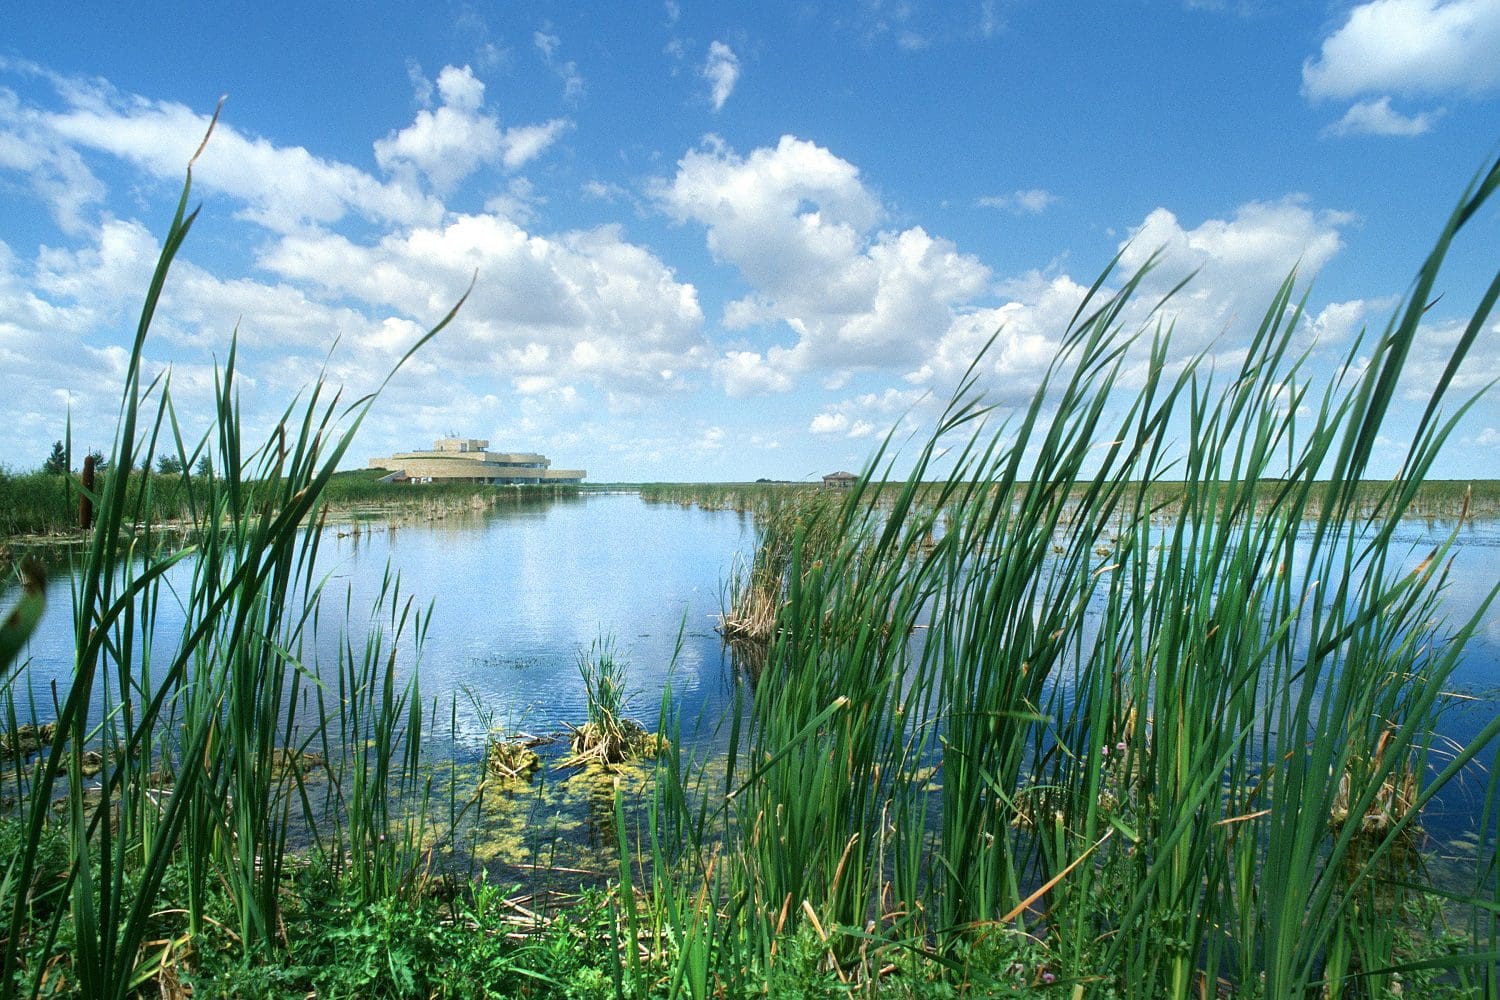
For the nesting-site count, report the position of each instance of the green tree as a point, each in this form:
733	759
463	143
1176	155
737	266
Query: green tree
169	465
57	462
204	467
100	462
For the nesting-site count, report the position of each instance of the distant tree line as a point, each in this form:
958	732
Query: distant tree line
57	462
166	465
45	501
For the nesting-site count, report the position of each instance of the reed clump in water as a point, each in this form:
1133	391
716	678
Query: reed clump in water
788	523
1373	809
511	759
609	737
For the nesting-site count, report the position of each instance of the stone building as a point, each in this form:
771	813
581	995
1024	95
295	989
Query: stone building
466	460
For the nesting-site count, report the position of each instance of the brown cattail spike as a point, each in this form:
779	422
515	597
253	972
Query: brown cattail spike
86	498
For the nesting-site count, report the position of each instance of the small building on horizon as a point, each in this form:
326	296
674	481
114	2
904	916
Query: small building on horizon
468	460
840	480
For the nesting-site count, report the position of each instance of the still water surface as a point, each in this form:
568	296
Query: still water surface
519	593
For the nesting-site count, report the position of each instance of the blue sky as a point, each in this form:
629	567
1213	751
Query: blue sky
718	241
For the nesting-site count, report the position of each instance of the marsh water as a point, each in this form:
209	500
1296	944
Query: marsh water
519	592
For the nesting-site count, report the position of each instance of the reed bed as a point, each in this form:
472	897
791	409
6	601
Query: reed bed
41	507
208	775
1439	500
787	522
1100	712
755	498
38	505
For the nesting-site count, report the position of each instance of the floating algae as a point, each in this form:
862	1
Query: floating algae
555	828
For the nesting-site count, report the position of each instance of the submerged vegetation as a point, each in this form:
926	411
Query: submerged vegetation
1079	715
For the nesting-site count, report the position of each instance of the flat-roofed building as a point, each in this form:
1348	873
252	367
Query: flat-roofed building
468	460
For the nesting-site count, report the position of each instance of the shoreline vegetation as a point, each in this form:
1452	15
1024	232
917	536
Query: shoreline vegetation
1438	499
1019	728
39	509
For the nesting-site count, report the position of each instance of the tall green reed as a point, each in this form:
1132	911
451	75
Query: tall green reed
1154	644
371	739
194	729
756	591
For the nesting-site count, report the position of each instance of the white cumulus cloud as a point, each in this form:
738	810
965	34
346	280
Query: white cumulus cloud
448	143
524	143
1377	117
748	373
282	187
868	413
829	423
800	226
1336	322
1238	263
556	321
1019	337
584	304
1409	46
832	293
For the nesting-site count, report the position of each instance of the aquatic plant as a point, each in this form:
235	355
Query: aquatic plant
1166	706
756	593
201	784
609	737
511	759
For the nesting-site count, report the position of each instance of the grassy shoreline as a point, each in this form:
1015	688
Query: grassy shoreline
1437	499
38	508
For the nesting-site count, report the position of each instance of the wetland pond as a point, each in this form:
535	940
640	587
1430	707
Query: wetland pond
517	593
520	591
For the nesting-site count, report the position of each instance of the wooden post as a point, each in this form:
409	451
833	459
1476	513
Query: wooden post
85	503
